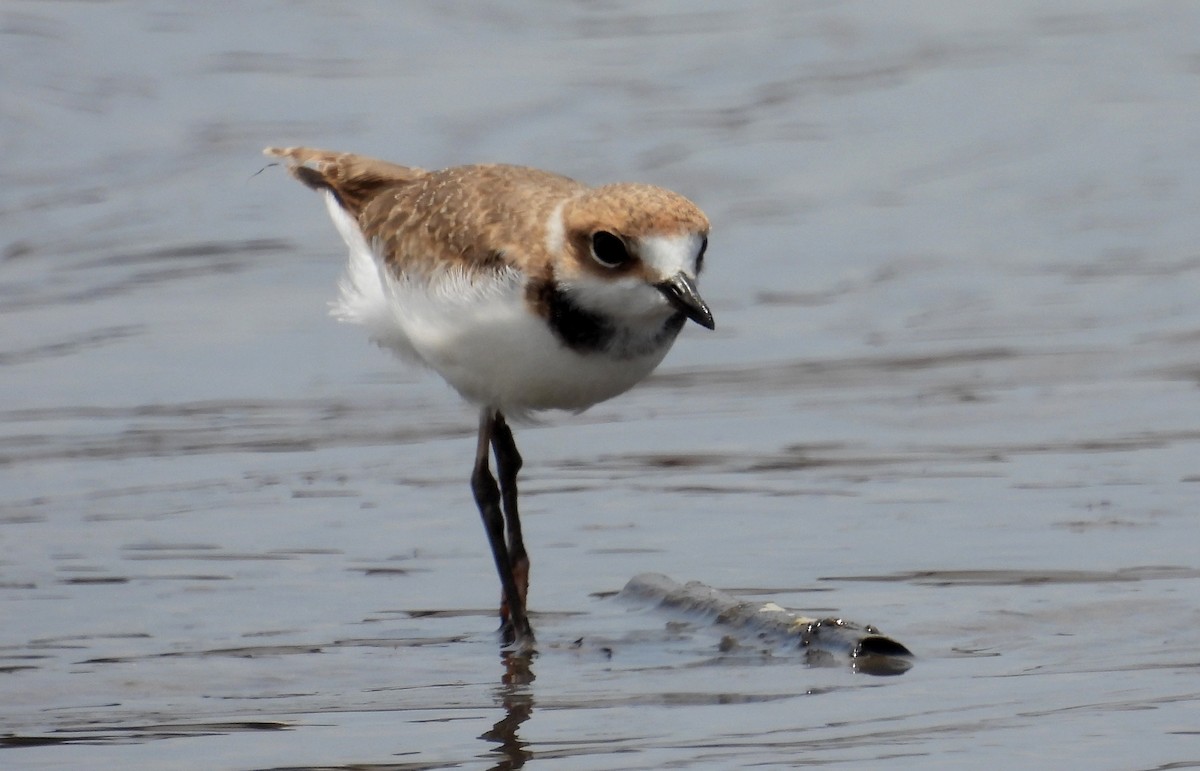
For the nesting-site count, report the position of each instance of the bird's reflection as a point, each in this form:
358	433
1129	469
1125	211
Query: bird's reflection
516	696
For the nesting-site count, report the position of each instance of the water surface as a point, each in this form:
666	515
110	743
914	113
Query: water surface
952	391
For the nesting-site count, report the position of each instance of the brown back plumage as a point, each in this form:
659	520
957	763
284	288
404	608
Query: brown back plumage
481	217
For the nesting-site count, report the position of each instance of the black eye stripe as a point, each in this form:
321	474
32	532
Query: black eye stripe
700	254
608	249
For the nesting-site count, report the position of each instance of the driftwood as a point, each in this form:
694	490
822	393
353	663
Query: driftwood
824	641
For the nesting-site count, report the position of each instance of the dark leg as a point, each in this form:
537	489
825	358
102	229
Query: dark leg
514	624
508	463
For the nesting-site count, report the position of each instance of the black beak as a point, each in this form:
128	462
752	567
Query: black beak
680	290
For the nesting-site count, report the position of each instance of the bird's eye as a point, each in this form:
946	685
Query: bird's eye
608	249
700	254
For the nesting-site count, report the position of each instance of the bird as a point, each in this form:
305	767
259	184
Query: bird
525	290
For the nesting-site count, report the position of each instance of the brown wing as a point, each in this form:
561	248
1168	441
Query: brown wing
481	217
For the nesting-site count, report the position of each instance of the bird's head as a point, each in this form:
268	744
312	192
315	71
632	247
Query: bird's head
632	251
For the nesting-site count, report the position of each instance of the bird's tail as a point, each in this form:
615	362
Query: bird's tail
352	179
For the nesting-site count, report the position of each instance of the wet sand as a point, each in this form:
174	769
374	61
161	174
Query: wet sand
953	392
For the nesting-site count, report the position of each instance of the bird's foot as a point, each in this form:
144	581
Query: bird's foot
516	633
517	639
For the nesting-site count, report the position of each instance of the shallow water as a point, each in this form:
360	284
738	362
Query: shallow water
952	391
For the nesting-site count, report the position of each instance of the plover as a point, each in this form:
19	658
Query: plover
525	290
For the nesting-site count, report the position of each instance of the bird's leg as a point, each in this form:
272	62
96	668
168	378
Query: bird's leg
514	623
508	463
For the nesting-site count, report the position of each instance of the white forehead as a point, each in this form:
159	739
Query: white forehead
668	255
